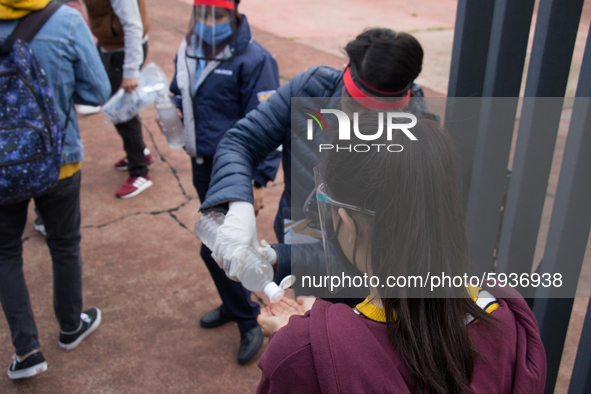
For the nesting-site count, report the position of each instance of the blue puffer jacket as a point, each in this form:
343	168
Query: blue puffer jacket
228	91
262	131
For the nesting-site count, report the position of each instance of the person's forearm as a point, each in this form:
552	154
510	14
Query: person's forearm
129	15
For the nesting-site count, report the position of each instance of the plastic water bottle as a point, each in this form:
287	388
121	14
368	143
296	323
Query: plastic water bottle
207	226
253	273
167	112
124	106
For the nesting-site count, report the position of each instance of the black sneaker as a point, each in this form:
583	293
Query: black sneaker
30	366
90	319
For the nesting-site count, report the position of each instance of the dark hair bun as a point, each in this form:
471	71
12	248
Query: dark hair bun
385	59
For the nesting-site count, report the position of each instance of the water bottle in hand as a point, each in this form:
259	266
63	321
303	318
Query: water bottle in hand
169	118
250	269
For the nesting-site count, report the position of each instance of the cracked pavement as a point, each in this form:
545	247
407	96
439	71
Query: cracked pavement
156	152
141	268
141	257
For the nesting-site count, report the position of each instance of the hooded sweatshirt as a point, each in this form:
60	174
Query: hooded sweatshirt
331	349
16	9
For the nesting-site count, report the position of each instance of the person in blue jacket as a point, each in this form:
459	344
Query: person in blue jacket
221	75
382	66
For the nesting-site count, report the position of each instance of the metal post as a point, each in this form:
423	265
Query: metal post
550	61
569	226
466	79
506	58
580	381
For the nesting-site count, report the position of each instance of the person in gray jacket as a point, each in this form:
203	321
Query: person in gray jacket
121	28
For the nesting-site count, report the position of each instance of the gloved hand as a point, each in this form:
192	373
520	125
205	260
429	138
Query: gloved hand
268	254
238	232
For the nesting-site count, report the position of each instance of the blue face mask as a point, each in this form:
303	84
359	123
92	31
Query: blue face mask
222	31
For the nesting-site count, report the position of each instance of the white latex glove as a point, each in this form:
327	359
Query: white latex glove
239	258
238	232
268	254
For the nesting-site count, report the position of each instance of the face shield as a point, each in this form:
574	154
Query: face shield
213	30
331	224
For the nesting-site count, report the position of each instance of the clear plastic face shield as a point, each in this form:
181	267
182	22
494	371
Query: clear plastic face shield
213	30
331	224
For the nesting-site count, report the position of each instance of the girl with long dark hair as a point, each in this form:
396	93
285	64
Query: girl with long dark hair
400	214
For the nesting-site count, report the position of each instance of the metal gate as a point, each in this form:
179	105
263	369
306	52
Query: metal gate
503	213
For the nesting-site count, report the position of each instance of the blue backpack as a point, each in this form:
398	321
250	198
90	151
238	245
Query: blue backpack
31	134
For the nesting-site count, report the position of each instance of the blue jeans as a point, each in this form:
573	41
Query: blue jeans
235	297
60	210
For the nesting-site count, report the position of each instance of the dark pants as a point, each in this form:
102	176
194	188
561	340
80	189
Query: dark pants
234	296
130	131
283	212
60	209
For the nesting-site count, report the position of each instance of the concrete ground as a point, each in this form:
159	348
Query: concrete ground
141	258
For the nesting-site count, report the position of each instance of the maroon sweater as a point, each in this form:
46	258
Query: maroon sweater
331	349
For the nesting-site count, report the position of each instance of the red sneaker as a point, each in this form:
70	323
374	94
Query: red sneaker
121	165
134	186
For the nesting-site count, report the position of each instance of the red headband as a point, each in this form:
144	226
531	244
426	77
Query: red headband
368	102
216	3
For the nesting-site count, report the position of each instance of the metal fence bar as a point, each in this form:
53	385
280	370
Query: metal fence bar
550	61
506	58
470	48
466	79
580	381
569	226
553	316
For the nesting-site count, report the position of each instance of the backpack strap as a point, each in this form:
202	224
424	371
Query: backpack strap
29	26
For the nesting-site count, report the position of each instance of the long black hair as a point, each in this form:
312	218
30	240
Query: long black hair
417	228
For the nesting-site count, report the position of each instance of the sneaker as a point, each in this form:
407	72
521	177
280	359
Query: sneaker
90	319
39	226
134	186
87	109
30	366
121	165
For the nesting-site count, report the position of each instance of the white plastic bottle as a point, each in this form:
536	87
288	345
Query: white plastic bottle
169	117
253	272
124	106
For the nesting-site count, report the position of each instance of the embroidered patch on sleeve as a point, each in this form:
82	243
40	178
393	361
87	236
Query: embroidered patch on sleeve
264	95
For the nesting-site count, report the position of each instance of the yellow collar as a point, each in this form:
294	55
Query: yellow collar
482	299
371	311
